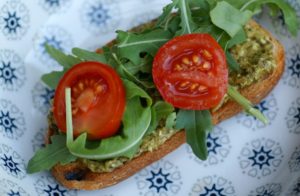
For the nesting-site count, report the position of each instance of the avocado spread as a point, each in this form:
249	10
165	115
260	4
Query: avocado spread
256	62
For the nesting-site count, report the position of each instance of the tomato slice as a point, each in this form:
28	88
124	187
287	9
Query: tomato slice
190	72
98	100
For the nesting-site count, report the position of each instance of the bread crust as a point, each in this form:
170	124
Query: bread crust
85	179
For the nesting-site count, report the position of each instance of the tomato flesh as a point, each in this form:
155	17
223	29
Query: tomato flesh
98	100
190	72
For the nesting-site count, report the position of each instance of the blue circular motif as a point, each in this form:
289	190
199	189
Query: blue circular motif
294	190
38	140
291	75
268	107
12	121
14	19
41	97
47	186
160	178
11	162
293	117
213	186
294	162
272	189
260	158
10	188
56	37
100	16
12	71
218	147
54	6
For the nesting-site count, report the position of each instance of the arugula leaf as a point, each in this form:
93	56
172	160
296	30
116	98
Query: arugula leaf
239	38
236	3
246	104
233	65
171	120
159	111
212	3
196	4
124	73
107	52
289	13
67	61
131	45
144	66
229	18
132	91
197	124
46	158
199	11
210	28
173	24
128	70
88	55
187	24
136	121
290	16
165	17
52	79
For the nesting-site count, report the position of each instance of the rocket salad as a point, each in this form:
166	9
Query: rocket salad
173	73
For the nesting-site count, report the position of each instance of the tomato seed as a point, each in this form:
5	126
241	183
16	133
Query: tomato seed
186	61
207	54
178	67
196	59
81	86
194	86
202	88
184	84
206	65
99	89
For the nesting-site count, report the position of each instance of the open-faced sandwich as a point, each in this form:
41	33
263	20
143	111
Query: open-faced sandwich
162	84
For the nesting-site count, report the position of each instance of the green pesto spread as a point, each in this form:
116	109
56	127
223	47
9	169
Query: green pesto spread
255	57
150	143
256	62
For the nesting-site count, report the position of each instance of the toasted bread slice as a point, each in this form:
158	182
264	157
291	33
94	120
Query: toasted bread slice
77	176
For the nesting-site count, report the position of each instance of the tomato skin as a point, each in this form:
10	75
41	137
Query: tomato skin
98	100
190	72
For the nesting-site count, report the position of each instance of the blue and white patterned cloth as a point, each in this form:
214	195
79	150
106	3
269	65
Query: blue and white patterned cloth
245	156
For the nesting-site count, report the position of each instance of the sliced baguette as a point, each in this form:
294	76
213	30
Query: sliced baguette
77	176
